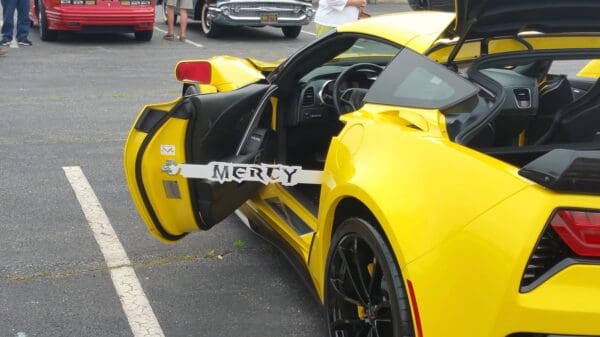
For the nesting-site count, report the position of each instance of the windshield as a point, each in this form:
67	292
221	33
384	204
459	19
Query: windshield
367	50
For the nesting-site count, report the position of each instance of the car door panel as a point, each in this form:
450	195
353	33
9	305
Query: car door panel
194	130
580	86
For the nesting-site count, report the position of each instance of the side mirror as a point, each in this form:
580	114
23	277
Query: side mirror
198	72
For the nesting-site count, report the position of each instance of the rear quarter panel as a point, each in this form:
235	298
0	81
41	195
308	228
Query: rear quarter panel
476	275
421	187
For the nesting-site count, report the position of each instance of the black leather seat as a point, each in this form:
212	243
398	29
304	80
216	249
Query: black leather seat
576	122
555	93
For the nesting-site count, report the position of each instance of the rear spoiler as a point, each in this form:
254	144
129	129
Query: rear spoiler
566	171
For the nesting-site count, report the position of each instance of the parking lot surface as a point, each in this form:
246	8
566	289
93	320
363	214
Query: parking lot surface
67	106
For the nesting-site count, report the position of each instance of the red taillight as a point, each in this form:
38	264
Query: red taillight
580	230
193	72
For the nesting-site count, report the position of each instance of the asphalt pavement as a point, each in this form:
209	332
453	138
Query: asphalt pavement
71	103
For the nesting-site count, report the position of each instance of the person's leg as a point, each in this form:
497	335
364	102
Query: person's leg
170	18
184	6
23	21
8	12
182	23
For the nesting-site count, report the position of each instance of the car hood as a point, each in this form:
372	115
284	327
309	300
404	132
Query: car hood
493	18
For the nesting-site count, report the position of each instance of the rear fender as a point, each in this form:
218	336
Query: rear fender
229	73
419	200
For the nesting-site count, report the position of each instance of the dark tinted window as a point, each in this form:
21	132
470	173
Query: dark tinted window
412	80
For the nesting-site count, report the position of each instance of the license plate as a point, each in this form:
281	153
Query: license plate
268	18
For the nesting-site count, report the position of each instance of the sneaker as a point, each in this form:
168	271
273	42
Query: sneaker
25	42
5	42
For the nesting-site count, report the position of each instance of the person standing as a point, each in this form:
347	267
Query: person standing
23	23
333	13
183	5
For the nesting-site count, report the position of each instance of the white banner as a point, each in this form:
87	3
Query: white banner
265	173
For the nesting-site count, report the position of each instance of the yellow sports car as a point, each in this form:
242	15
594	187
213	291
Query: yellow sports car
432	174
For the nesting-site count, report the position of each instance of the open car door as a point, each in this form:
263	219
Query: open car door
196	130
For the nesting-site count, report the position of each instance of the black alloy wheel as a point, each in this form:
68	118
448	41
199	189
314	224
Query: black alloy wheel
365	294
291	32
209	28
46	34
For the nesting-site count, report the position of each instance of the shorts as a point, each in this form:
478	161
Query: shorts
181	4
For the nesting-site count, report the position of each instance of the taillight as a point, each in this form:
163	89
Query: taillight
580	230
195	71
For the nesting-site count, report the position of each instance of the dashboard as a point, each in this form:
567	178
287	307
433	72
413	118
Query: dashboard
315	96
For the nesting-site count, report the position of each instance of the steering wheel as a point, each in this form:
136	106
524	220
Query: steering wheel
351	99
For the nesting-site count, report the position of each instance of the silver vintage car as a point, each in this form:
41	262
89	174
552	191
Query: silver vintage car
289	15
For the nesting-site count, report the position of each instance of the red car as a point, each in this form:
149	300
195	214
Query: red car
93	16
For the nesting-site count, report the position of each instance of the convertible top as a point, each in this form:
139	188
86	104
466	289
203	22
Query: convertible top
492	18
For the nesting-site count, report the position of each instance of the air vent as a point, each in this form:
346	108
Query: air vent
309	97
548	252
523	97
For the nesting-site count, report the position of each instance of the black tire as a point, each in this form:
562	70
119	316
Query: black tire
436	5
441	5
144	35
209	28
291	32
165	14
190	89
416	5
46	34
364	289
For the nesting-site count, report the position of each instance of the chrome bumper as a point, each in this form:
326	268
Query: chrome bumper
261	13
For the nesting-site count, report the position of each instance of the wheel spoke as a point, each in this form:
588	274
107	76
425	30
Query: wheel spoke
375	281
385	304
361	271
365	331
354	278
343	295
374	330
342	324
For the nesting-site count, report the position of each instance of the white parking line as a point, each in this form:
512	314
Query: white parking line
186	40
139	313
309	33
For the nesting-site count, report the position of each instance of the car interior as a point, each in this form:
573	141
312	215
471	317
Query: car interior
523	108
328	85
526	108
